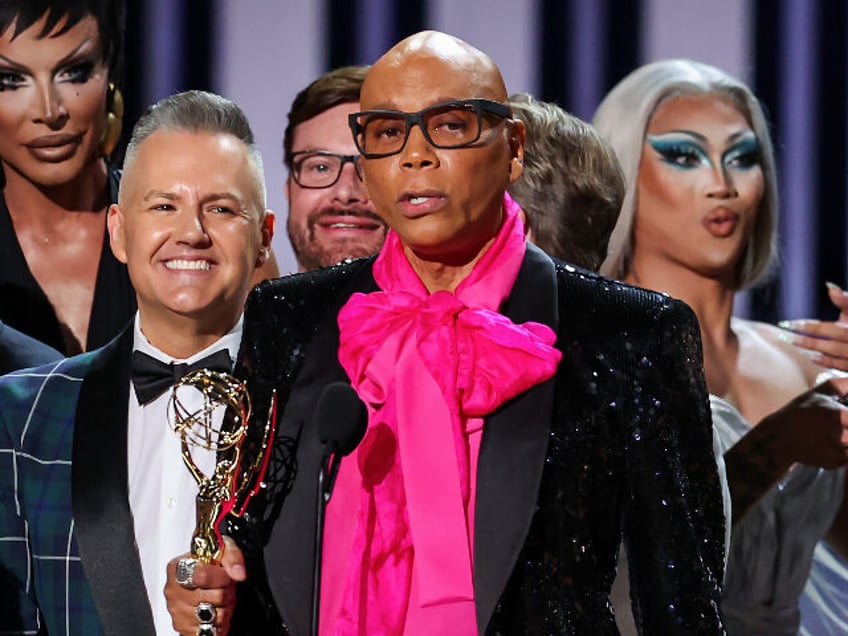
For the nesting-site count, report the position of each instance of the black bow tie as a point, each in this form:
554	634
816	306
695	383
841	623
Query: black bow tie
152	377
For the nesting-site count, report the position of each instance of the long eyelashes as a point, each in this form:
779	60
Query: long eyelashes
744	154
10	80
686	154
76	73
677	152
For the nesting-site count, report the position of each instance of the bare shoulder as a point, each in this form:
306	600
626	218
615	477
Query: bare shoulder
768	341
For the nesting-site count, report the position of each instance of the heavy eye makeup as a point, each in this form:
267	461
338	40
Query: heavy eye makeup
11	79
78	72
678	151
12	76
744	154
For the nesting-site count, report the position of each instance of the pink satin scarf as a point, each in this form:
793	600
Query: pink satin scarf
429	367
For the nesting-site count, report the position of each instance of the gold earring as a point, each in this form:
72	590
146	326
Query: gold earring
114	119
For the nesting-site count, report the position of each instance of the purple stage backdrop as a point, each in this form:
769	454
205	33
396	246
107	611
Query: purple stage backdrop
793	52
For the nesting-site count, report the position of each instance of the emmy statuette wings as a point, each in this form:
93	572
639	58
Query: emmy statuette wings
241	453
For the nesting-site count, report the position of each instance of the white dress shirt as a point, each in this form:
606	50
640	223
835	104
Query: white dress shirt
162	491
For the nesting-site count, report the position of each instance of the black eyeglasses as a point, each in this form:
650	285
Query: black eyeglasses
319	168
454	124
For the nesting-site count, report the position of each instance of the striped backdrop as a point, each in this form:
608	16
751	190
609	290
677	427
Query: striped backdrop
793	52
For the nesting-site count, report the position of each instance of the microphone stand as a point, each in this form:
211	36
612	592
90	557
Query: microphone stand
324	485
341	419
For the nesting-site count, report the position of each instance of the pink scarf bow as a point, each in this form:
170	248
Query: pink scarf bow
429	367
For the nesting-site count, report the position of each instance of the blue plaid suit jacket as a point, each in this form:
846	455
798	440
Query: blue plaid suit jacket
68	562
17	350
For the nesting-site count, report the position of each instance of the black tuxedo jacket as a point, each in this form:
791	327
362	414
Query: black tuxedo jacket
617	444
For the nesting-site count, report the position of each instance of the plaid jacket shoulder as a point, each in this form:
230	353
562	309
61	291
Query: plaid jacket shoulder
41	576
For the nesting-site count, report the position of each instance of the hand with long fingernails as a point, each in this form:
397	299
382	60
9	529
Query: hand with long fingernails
823	341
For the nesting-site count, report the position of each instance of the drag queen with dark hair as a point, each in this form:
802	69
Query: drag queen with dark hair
60	118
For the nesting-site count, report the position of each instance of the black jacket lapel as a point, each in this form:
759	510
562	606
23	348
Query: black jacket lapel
512	456
513	449
104	527
289	553
288	556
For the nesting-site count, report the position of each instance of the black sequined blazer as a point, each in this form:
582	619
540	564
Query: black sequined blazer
617	444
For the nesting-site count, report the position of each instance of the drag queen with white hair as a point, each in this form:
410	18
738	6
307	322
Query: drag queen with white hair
699	222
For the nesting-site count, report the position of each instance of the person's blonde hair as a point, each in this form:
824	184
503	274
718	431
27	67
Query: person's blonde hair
622	119
571	187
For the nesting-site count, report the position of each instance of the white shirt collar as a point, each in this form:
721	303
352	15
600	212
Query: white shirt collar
231	341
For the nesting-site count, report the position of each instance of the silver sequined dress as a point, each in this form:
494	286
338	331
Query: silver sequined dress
772	547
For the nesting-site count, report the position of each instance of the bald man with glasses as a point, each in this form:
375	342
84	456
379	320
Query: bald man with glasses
523	414
330	216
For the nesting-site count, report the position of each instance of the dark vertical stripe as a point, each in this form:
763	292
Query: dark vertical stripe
553	52
342	36
375	24
133	75
610	52
623	37
587	56
831	154
767	52
768	34
198	36
801	179
844	260
410	17
353	42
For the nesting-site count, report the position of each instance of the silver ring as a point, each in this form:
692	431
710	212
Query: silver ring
185	572
205	613
206	629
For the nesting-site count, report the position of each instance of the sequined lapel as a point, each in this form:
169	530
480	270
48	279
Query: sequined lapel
514	445
288	554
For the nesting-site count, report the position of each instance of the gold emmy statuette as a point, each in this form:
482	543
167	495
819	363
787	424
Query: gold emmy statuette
236	475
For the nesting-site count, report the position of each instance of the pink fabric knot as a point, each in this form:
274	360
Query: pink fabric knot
429	368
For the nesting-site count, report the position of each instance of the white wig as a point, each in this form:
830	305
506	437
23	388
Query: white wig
623	118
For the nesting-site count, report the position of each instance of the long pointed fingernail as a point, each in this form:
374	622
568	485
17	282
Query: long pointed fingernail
815	356
834	287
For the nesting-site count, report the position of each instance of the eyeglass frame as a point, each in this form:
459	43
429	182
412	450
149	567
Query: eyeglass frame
354	159
480	104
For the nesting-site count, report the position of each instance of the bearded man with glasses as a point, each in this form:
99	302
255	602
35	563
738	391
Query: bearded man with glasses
330	217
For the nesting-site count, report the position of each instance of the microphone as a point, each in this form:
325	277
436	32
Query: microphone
341	419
